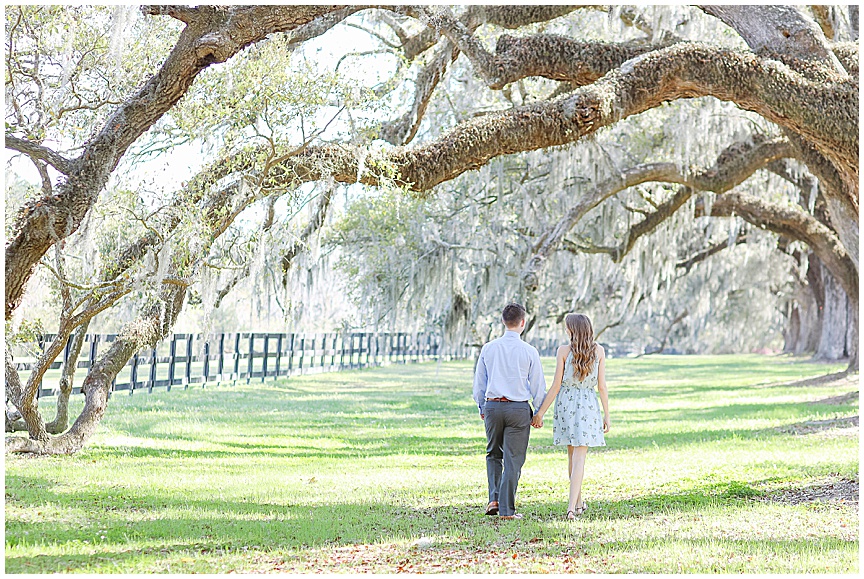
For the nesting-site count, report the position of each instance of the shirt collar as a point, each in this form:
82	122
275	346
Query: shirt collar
511	333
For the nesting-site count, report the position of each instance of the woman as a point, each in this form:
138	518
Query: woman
581	366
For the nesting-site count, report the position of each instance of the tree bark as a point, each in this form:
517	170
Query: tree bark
509	17
67	376
817	297
841	199
852	336
795	224
792	332
832	341
151	327
783	31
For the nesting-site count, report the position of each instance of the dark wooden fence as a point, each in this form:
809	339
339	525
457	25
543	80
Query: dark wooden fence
188	359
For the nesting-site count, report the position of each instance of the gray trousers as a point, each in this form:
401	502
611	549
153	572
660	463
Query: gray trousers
508	426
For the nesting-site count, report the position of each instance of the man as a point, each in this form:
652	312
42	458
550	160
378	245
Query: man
508	374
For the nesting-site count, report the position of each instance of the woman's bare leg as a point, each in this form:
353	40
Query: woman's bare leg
577	454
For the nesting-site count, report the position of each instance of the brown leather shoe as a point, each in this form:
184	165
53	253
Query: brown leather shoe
511	517
492	508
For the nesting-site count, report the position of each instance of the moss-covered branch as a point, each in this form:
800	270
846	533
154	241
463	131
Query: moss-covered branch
214	34
734	165
796	224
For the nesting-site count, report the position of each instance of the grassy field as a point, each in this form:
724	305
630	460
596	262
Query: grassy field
712	466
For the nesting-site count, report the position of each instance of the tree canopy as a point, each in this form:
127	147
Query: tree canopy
687	175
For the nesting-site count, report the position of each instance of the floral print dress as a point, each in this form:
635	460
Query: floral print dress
578	421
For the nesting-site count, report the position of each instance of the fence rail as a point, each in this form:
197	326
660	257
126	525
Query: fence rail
187	359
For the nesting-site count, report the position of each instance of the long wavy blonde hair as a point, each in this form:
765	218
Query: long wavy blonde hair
582	344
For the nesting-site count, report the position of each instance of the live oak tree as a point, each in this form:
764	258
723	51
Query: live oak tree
799	77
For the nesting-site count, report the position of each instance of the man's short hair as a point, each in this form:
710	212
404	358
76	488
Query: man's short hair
513	314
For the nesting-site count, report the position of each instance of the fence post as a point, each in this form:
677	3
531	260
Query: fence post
220	365
266	353
291	354
42	348
235	375
187	376
171	361
342	351
91	358
114	379
152	371
278	353
68	347
302	353
206	369
323	350
133	375
312	357
251	356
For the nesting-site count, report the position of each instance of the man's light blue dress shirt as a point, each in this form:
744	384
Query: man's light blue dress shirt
509	368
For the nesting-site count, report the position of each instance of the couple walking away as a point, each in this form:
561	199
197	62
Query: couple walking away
508	374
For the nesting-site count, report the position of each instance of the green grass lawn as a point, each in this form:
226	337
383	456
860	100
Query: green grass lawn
384	470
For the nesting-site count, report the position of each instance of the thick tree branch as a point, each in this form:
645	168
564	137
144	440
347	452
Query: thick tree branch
39	152
701	256
847	54
213	35
315	223
684	70
183	13
784	31
794	223
509	17
549	56
688	70
402	130
840	189
734	165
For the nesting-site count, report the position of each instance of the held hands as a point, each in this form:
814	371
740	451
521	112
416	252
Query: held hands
537	421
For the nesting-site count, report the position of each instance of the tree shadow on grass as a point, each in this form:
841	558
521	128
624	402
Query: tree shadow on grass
823	380
392	438
370	448
208	527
